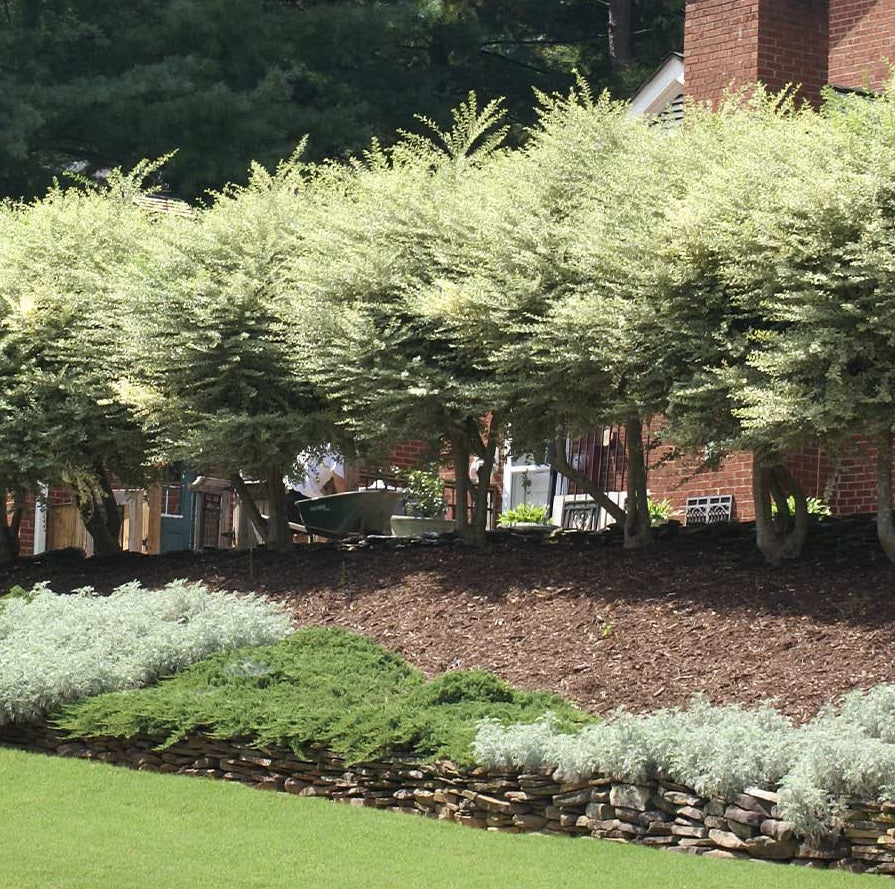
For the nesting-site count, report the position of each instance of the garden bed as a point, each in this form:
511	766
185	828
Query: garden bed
582	618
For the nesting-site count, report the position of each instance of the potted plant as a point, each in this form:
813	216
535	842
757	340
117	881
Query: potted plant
527	519
424	506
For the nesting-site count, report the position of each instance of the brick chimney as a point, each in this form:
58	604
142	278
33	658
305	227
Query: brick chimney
775	42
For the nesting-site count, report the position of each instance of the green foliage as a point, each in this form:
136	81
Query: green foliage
93	86
319	688
424	494
62	417
660	511
524	512
56	649
816	507
16	592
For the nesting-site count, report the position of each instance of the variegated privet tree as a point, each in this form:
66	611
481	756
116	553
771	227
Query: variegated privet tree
576	269
397	242
62	420
212	370
825	364
756	156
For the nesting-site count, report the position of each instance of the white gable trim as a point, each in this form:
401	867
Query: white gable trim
666	85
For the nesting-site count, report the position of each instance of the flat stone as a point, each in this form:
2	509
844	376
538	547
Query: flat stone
743	831
727	840
576	798
616	826
854	833
753	804
529	821
632	815
714	807
691	812
687	830
653	816
872	853
744	816
779	830
821	850
599	811
849	864
651	840
722	853
677	798
630	796
768	796
492	804
771	849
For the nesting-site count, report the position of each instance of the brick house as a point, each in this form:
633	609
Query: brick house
809	44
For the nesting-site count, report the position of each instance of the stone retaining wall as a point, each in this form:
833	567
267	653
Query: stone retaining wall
660	813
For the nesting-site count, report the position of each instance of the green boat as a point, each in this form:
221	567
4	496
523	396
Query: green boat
350	513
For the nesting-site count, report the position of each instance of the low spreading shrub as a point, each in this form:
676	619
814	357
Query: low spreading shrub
319	688
55	649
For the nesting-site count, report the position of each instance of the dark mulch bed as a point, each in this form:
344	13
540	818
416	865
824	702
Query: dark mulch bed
700	612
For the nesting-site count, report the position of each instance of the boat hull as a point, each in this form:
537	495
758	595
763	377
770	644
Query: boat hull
350	513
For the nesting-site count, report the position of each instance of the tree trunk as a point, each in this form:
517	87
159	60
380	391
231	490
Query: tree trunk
560	462
259	523
638	532
619	34
100	514
279	534
885	522
466	442
486	450
460	457
10	522
781	536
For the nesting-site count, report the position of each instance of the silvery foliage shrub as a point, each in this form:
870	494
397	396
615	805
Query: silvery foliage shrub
58	649
847	751
714	750
873	711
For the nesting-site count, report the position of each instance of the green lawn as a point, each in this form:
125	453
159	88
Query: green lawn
83	825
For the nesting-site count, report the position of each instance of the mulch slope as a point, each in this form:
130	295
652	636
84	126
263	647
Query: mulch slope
699	613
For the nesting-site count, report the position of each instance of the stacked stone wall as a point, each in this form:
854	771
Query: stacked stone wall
659	813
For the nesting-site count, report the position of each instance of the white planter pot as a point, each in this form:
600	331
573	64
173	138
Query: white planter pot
534	529
414	526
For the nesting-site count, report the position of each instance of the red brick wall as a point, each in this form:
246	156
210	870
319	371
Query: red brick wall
792	45
720	45
683	477
851	479
862	35
776	42
26	529
856	482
